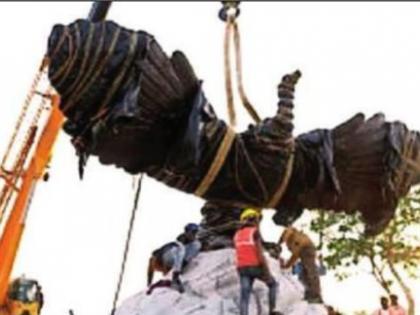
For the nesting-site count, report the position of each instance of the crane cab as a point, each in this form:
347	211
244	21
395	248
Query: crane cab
24	297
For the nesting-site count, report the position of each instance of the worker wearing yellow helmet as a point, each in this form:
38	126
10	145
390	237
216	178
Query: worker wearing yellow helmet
250	213
250	260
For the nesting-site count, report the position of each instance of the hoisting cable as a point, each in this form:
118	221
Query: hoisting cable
127	245
229	13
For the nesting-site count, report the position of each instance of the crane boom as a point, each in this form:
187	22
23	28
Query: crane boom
12	234
14	227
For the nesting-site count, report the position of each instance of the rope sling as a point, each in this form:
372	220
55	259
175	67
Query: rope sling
229	14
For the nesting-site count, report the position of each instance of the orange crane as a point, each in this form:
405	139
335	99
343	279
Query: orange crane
23	296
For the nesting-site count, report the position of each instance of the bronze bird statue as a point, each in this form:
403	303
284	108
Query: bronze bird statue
133	106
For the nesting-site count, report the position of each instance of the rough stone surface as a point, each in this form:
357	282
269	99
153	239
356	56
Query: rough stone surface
212	288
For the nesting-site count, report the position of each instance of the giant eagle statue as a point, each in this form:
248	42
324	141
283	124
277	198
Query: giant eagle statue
133	106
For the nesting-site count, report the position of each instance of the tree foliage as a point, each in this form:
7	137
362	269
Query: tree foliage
391	256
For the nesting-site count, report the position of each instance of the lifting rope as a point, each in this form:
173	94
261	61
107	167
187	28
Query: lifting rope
229	14
127	245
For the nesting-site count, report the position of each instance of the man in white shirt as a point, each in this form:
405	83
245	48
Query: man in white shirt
395	308
384	310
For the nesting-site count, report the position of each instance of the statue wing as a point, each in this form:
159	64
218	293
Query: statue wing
116	85
364	165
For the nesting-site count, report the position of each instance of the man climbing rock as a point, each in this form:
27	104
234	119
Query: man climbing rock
175	256
301	247
250	261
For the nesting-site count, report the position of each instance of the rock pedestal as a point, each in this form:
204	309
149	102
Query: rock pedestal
212	288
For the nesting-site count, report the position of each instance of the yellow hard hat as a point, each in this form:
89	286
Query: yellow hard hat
250	213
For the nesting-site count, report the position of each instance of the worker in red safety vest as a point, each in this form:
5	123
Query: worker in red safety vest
250	261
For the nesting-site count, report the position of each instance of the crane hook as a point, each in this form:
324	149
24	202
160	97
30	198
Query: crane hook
229	9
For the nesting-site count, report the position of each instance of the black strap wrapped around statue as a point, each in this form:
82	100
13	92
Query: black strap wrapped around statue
134	107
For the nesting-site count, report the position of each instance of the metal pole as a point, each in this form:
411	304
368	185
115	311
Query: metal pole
99	10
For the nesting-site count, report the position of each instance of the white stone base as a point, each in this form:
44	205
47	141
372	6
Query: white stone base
212	288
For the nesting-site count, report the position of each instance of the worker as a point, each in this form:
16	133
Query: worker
297	269
275	251
174	256
250	261
192	245
301	247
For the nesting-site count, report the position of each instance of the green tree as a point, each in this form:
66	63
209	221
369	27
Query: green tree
392	256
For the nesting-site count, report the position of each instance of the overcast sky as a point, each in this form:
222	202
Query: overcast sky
353	56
